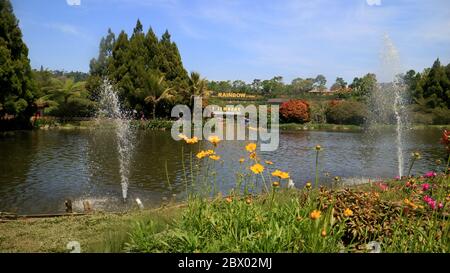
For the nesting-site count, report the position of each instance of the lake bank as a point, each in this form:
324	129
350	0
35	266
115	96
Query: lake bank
306	220
164	124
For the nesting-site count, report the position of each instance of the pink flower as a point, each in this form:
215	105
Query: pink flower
397	177
432	204
440	206
430	174
425	187
427	199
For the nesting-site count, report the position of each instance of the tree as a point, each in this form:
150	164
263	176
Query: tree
437	86
169	62
362	87
66	98
156	91
16	82
320	81
299	85
295	111
197	88
339	84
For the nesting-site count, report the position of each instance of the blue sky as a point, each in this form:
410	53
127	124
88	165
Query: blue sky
246	39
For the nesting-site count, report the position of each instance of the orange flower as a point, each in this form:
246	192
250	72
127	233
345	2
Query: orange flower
253	155
251	147
315	214
269	162
214	140
229	199
323	233
348	212
257	168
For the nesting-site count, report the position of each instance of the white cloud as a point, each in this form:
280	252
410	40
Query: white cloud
73	2
373	2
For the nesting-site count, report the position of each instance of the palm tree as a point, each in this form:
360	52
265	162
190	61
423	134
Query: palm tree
156	91
197	87
61	91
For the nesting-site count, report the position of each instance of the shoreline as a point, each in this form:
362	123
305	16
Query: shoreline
164	124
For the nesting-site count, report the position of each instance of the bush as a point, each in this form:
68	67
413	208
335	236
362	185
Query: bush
295	111
347	112
441	116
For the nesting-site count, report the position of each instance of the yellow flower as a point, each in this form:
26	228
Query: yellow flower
323	233
269	162
280	174
348	212
308	185
416	155
241	160
248	201
257	168
182	136
284	175
336	178
214	140
315	214
318	148
214	157
253	155
251	147
276	184
191	140
201	154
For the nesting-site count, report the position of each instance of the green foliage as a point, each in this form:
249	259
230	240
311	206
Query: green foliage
147	71
347	112
363	87
66	98
17	85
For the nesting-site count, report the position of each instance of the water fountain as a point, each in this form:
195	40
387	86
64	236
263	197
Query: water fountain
110	108
387	100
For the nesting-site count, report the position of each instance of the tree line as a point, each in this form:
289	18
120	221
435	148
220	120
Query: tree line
149	75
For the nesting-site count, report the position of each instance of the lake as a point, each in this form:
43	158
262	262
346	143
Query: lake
40	169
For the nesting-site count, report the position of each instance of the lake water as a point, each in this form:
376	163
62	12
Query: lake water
40	169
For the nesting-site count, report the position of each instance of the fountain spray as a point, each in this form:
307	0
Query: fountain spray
391	68
110	108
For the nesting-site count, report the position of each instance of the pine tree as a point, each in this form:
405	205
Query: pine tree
170	62
435	84
16	84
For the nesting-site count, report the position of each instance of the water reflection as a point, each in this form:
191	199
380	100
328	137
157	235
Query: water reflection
41	169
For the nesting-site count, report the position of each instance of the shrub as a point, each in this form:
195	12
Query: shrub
347	112
295	111
441	116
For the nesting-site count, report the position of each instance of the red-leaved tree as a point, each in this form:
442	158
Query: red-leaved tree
295	111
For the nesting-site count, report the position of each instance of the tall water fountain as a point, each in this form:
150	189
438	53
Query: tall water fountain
388	99
110	108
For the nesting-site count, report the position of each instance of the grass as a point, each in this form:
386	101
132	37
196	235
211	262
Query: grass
97	232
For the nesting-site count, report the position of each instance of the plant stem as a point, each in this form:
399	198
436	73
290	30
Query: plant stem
410	166
167	176
317	169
